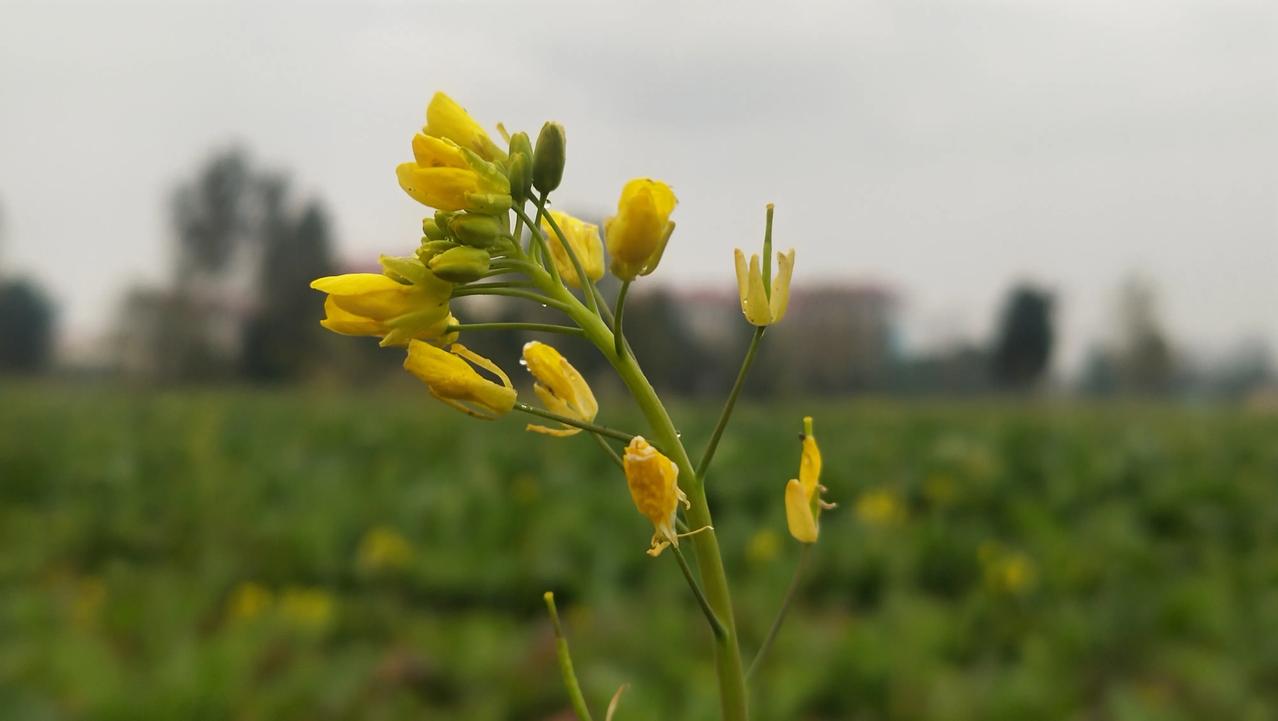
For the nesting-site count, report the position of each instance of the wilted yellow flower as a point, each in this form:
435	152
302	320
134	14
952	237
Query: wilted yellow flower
560	387
248	601
803	504
450	378
586	245
383	548
376	305
760	307
638	233
763	546
446	119
654	486
879	508
310	608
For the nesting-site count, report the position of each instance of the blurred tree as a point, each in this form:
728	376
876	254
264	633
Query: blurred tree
1145	360
26	327
245	253
1023	347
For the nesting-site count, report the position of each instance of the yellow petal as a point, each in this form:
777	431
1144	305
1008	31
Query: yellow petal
354	283
585	242
340	321
440	188
560	380
451	379
432	152
446	119
798	513
653	481
781	285
756	307
810	461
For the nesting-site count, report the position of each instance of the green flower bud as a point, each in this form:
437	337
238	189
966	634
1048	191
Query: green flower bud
490	204
519	143
432	248
479	231
520	177
432	230
549	157
460	265
403	270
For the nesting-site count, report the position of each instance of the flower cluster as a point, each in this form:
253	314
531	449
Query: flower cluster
490	230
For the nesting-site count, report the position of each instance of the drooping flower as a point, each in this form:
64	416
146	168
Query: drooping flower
374	304
803	504
450	377
638	233
654	486
560	387
585	242
760	308
453	166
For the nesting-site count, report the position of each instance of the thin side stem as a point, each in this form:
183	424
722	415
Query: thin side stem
726	414
513	293
538	327
715	624
619	338
582	278
575	422
476	288
608	450
785	606
565	663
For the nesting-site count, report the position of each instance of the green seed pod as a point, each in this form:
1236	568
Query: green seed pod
549	157
478	231
460	265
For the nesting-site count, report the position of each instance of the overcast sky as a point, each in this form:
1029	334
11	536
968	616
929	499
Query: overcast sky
944	148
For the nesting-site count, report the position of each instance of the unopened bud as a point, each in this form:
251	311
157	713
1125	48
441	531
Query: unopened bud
432	248
520	177
492	204
460	265
479	231
549	157
432	230
403	270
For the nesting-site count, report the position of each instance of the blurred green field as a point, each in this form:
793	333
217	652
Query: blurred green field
308	555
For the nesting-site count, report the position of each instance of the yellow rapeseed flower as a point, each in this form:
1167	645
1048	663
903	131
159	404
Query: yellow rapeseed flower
654	486
450	378
638	233
248	601
586	245
879	508
803	504
383	548
375	305
560	387
308	608
759	306
446	119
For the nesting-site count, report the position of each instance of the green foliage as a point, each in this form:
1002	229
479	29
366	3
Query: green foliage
986	562
1023	347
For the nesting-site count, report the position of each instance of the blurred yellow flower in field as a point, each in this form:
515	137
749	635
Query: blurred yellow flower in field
638	233
763	546
654	487
880	508
560	387
940	489
584	239
803	504
383	549
1006	571
310	608
248	601
448	376
90	594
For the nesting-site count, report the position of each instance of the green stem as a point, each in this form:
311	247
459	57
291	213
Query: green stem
582	278
715	624
727	651
608	450
575	422
767	255
565	663
619	337
513	293
785	606
726	414
539	327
